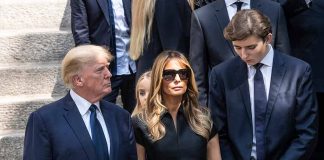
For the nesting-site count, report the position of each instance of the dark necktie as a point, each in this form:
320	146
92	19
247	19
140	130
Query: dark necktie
112	44
260	105
98	136
238	5
112	25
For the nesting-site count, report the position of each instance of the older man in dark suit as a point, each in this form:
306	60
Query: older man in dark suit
207	44
81	126
107	23
262	101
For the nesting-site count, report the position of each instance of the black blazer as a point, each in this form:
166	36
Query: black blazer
306	33
57	132
208	46
90	23
170	31
291	116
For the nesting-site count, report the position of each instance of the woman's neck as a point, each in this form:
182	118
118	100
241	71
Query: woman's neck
173	105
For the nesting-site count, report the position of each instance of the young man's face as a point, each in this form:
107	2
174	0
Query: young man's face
252	49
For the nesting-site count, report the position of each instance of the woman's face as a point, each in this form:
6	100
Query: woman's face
143	91
175	79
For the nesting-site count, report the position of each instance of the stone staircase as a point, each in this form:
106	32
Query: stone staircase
34	37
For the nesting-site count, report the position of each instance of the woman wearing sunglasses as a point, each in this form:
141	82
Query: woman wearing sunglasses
173	126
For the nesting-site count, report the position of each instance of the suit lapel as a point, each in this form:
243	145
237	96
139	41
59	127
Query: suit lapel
127	11
256	4
242	78
223	19
277	75
111	127
104	7
74	119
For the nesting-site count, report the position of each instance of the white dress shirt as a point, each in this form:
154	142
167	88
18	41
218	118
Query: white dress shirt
266	70
231	7
83	107
125	65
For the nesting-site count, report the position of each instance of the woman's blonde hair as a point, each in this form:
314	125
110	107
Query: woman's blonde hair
142	20
198	117
139	106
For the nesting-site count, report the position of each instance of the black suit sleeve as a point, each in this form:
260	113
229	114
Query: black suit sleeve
170	17
217	105
293	7
37	143
132	153
198	58
79	23
306	121
282	43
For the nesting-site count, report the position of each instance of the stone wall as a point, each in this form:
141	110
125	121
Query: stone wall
34	37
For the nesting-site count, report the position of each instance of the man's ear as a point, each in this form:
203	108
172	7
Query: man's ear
77	81
268	39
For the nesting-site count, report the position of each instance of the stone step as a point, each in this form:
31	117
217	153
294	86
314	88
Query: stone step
31	78
11	144
43	45
15	110
20	14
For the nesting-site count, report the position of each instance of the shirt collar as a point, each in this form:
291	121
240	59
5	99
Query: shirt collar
268	59
230	2
180	111
82	104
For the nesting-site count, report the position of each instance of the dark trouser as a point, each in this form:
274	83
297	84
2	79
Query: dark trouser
126	85
319	151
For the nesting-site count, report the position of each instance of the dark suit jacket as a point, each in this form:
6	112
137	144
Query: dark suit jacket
291	116
208	46
293	7
90	23
170	31
57	132
306	33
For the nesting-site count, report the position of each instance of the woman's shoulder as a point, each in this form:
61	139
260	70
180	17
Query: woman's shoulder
138	121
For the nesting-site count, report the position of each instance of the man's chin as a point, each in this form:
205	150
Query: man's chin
108	90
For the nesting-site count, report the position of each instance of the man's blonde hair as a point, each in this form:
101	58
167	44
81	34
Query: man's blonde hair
78	57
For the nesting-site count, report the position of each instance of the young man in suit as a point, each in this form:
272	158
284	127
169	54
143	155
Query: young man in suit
262	101
306	34
208	47
81	126
107	23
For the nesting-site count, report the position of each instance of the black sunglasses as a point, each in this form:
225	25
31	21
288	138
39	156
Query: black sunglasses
170	74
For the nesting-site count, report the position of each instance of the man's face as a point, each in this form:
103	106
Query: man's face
96	78
252	49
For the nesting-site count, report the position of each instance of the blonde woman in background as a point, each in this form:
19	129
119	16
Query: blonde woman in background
141	91
174	126
159	25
